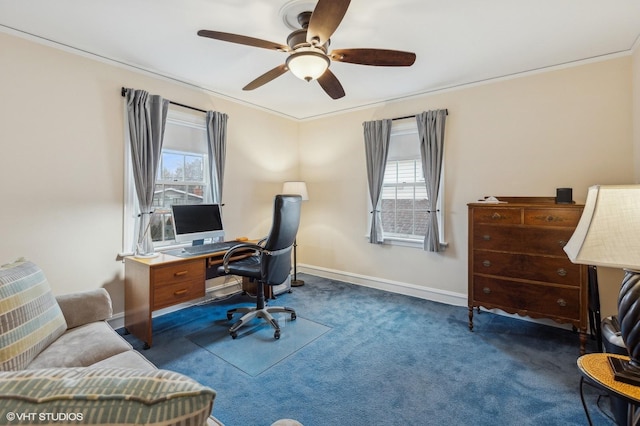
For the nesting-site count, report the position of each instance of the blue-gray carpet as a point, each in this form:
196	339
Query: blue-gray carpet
386	359
255	349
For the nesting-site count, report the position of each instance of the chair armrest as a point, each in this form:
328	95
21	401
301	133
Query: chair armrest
85	307
239	247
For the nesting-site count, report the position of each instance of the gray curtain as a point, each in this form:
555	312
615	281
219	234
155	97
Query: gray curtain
431	133
217	146
376	143
147	116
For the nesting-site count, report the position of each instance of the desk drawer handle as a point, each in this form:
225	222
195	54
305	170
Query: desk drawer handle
486	290
180	292
181	273
562	302
551	218
562	272
486	237
486	263
496	216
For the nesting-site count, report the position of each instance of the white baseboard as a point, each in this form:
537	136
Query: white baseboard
428	293
407	289
217	291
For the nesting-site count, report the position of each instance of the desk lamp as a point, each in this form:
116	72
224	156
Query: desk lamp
608	234
296	188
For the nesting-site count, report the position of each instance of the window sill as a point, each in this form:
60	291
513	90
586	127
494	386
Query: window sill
405	242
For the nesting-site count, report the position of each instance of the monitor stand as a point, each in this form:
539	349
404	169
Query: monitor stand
197	242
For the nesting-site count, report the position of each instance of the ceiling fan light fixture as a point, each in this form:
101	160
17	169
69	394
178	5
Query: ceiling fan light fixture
307	64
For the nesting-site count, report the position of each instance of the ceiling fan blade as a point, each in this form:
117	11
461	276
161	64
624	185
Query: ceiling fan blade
376	57
329	82
266	77
325	19
240	39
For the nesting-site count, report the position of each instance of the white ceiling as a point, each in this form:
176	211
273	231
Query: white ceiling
456	42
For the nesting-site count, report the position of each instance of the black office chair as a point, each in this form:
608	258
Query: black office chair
270	264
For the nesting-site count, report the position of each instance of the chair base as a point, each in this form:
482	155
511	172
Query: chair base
265	313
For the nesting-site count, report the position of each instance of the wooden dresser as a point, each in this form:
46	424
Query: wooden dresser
516	261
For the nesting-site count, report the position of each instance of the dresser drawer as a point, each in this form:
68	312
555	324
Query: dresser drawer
552	217
172	294
529	267
175	273
528	299
519	239
498	215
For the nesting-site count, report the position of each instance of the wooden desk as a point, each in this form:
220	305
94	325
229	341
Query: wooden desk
155	283
596	369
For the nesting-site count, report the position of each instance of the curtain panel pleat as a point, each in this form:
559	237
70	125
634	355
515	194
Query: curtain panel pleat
217	147
147	117
377	135
431	134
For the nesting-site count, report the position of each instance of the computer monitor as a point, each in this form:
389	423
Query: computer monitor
195	222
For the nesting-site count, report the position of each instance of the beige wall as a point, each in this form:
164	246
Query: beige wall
636	109
523	136
61	168
62	162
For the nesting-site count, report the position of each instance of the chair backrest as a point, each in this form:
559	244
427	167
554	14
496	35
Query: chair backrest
276	259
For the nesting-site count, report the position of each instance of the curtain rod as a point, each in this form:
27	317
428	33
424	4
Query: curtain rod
124	93
446	111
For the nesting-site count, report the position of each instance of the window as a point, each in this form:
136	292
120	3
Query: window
404	194
183	176
404	199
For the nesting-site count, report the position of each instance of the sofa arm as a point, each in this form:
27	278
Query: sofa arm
85	307
103	396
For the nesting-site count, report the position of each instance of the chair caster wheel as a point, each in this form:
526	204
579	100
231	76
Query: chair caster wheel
229	316
293	316
234	334
276	335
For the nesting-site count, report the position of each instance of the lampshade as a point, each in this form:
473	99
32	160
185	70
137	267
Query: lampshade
296	188
307	64
608	233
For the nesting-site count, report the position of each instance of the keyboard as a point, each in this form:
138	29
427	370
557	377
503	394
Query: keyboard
211	248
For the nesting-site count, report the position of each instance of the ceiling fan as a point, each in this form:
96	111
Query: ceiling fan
309	57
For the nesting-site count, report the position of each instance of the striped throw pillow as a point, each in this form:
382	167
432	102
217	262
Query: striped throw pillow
30	318
106	396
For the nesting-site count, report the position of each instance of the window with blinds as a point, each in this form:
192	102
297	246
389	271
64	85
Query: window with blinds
403	203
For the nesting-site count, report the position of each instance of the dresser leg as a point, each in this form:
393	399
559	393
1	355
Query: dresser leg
583	342
471	318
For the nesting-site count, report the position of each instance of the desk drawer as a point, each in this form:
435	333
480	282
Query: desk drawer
181	292
175	273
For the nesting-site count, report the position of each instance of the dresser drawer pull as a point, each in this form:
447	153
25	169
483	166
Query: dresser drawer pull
562	302
180	273
180	292
486	263
486	237
496	216
551	218
486	290
562	272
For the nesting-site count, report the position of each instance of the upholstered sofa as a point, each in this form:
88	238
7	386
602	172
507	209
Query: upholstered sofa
61	362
